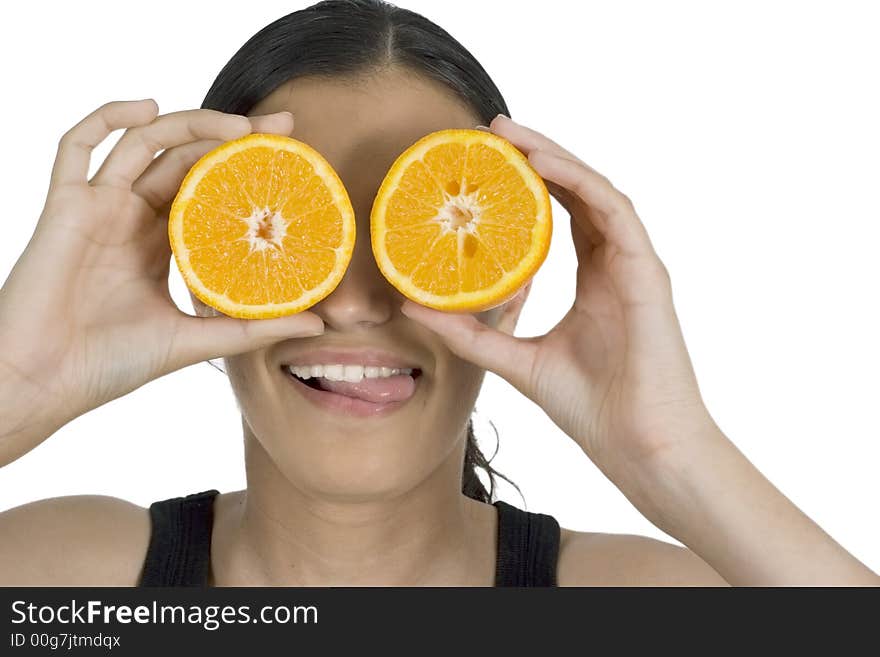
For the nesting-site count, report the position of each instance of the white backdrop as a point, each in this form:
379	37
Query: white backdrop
746	135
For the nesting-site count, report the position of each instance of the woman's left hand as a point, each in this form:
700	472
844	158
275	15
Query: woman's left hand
614	373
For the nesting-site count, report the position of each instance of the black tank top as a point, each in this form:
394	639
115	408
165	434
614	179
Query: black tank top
179	553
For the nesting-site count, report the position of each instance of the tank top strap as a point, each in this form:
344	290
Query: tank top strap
180	544
528	547
179	553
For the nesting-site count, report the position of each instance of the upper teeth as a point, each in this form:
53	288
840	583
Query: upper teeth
352	373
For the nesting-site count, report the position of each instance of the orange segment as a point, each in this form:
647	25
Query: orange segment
262	227
461	221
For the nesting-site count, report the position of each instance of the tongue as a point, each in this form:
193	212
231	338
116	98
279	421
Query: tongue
383	389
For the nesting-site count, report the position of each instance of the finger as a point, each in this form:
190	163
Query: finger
467	337
279	123
158	184
76	145
640	278
138	146
205	338
527	140
615	216
575	205
583	247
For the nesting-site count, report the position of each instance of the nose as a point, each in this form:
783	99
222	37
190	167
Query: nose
364	298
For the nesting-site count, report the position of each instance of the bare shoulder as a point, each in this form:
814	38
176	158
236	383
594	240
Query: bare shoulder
598	559
74	540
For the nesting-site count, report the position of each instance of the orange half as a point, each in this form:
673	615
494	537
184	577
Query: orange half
262	227
461	221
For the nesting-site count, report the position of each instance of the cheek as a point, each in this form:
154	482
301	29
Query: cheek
458	386
248	389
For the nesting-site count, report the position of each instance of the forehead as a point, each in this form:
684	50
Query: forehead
363	124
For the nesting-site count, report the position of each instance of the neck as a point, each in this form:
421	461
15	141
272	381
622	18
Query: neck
280	534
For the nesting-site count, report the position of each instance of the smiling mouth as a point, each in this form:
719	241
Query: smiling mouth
317	383
369	397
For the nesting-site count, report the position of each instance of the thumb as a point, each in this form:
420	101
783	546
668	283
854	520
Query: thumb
469	338
204	338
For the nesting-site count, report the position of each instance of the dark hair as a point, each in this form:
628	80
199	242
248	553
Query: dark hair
348	38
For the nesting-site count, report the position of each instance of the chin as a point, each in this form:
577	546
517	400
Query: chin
354	468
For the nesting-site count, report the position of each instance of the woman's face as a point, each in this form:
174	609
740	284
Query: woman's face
361	128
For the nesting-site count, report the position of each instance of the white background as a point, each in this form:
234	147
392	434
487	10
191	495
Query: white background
746	135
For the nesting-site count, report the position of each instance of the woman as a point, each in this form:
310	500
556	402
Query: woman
393	499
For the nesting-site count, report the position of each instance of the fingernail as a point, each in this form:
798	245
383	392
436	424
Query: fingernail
504	115
482	127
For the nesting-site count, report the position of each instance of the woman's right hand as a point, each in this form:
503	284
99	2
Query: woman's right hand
86	315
